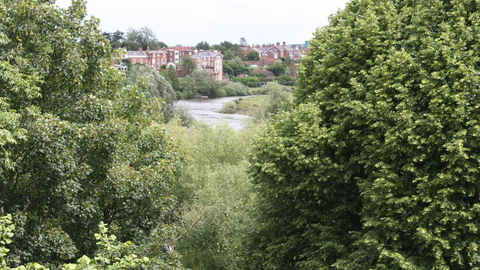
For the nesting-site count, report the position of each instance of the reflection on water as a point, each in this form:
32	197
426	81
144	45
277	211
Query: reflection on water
206	109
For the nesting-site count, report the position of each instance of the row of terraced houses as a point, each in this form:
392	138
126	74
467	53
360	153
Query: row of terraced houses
210	60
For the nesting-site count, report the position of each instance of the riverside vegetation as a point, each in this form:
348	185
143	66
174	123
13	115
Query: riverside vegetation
372	162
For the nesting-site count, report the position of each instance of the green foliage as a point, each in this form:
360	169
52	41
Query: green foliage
116	38
203	45
205	83
228	49
278	97
229	107
279	68
252	55
188	64
187	86
376	164
220	93
215	194
157	87
235	89
247	81
142	38
285	80
111	254
172	74
79	147
165	75
237	66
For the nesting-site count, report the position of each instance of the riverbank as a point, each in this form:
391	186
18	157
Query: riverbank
206	109
249	105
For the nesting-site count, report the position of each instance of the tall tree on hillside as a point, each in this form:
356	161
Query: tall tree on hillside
376	165
172	74
203	45
77	146
142	38
243	42
189	64
252	55
116	38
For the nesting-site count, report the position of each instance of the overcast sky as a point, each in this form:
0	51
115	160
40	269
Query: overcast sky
188	22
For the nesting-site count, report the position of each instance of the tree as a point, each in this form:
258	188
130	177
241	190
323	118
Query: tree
235	67
172	74
77	144
157	87
243	42
203	45
189	64
187	87
252	55
214	202
279	68
205	83
376	164
143	38
228	49
116	38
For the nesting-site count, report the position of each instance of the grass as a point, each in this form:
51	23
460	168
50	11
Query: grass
249	105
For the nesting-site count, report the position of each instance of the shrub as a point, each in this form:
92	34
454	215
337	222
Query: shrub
235	89
229	107
220	93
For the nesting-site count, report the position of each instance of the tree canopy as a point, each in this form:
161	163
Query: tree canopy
77	144
376	165
252	55
140	38
188	64
203	45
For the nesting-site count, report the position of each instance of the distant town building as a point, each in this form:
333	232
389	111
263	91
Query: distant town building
210	60
269	53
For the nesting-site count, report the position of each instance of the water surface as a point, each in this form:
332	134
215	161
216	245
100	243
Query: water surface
206	109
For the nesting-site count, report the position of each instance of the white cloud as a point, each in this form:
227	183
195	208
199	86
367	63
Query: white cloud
191	21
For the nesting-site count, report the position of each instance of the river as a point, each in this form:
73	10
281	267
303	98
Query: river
206	109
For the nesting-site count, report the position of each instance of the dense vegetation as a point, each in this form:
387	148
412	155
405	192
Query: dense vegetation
371	163
77	144
376	165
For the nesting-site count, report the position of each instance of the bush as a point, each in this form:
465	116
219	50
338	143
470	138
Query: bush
235	89
229	107
179	95
285	80
220	93
247	81
183	113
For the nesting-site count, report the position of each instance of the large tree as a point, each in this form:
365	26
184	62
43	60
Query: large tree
376	166
202	45
156	87
252	55
188	64
205	83
77	144
142	38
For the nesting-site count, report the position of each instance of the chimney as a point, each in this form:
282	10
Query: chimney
148	48
278	43
140	49
284	43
